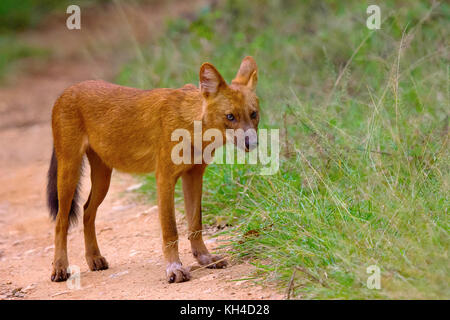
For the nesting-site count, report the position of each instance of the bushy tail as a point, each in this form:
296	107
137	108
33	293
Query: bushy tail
52	192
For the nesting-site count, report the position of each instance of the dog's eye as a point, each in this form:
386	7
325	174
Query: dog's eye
253	115
230	117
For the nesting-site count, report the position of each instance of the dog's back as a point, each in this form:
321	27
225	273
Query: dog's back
125	126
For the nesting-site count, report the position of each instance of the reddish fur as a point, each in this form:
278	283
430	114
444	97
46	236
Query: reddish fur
130	130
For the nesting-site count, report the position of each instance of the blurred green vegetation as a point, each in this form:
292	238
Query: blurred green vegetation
12	50
363	116
25	14
19	16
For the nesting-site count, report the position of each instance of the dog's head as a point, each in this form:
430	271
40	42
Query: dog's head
233	106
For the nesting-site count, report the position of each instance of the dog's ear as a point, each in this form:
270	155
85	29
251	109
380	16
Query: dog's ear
210	80
247	74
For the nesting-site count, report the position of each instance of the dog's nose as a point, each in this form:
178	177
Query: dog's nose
250	143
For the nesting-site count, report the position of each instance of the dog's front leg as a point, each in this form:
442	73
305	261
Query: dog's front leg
192	189
166	186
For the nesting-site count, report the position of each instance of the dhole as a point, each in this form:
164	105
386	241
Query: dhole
130	130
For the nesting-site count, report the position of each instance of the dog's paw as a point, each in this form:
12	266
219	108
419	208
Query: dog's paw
60	272
212	261
177	273
97	263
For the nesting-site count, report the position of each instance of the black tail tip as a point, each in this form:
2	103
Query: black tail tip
52	187
52	193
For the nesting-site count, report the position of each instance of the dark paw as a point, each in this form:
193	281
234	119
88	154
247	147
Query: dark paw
97	263
212	261
176	273
60	272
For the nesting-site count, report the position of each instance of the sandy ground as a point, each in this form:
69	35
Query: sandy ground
128	232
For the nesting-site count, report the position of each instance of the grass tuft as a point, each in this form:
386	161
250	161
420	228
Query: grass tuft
364	173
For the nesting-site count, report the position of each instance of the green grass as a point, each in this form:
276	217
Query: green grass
364	172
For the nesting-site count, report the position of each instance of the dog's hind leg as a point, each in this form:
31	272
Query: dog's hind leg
100	179
68	174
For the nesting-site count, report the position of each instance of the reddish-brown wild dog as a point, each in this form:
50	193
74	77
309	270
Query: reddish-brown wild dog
130	130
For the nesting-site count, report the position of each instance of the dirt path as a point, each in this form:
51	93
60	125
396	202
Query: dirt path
128	232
